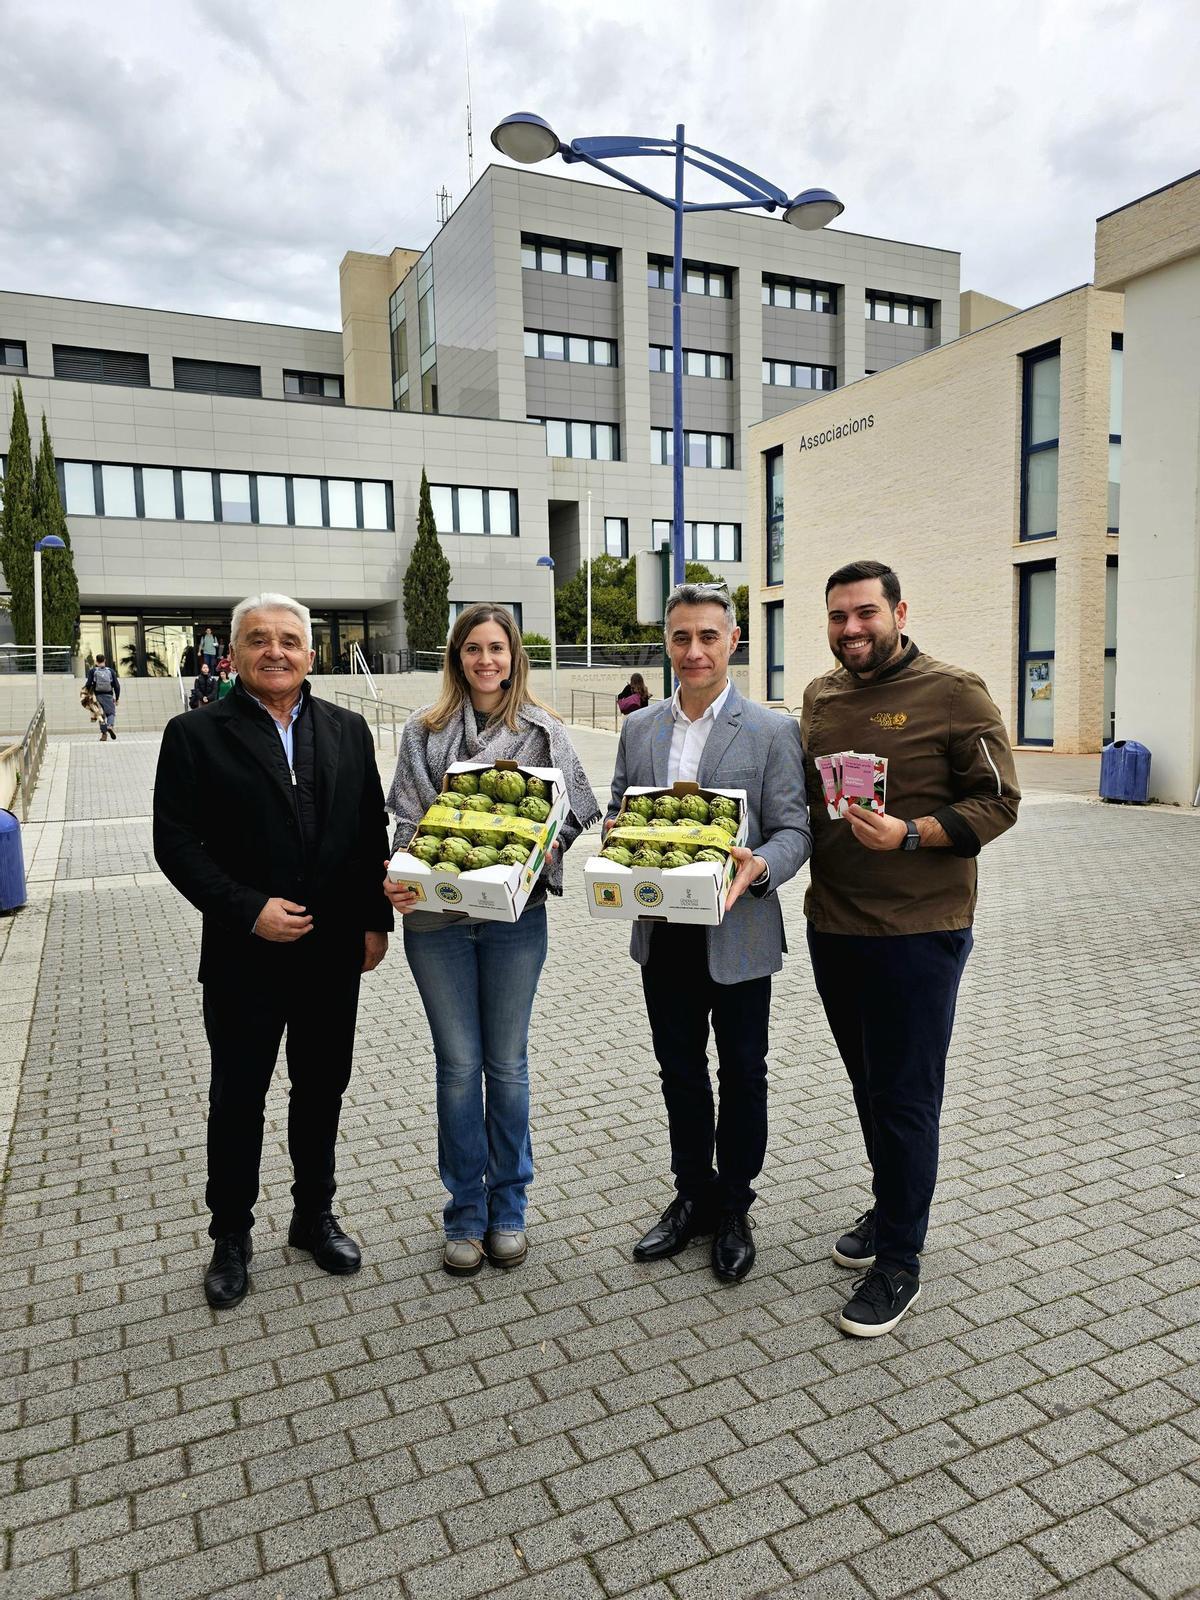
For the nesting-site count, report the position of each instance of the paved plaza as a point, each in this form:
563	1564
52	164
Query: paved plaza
586	1426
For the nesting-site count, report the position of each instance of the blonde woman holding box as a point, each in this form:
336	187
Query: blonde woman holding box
477	979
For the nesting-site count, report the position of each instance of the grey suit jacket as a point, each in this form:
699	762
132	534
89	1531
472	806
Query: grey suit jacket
750	748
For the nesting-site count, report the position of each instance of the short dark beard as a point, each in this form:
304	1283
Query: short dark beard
881	653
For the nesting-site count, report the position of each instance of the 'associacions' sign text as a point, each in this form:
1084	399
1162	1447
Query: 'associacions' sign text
842	431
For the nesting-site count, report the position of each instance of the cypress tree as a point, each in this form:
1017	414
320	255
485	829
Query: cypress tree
60	587
427	582
16	522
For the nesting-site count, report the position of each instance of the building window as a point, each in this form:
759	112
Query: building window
323	387
699	277
1036	682
126	367
457	607
398	328
13	354
773	465
429	389
585	441
187	494
1109	727
616	536
217	377
798	375
699	449
566	256
543	346
797	294
1039	443
465	510
696	363
881	307
774	633
1116	396
702	541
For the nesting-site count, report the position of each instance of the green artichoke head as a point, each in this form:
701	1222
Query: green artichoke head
642	805
647	856
514	855
447	867
676	858
488	781
710	853
618	854
464	782
536	810
538	788
456	849
425	849
667	805
482	856
694	808
505	808
727	825
510	786
723	807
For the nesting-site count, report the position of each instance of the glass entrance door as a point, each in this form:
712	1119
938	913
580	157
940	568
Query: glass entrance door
1036	681
123	647
167	638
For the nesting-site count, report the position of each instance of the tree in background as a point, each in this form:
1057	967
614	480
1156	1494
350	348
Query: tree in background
60	587
427	582
16	522
741	604
614	603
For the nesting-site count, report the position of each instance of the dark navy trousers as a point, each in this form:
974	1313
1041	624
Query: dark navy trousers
890	1004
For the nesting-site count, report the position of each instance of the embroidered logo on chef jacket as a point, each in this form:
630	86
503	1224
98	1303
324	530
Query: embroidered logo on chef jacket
890	719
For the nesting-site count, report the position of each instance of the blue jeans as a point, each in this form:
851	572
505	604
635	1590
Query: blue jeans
477	981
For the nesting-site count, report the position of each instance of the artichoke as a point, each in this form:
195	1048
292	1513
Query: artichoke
722	807
694	808
484	838
447	866
488	781
647	856
667	805
659	822
425	849
728	825
536	810
482	856
710	853
514	855
510	787
505	808
476	802
430	832
538	788
619	854
456	850
676	858
464	782
642	805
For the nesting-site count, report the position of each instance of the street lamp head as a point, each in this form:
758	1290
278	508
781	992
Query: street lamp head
815	208
546	561
50	542
525	138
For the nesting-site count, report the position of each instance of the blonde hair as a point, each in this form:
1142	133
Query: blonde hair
455	688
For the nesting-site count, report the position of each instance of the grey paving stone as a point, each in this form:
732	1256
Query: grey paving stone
1077	1486
902	1564
666	1499
1002	1519
739	1575
648	1556
1011	1574
929	1498
825	1540
1093	1539
1168	1568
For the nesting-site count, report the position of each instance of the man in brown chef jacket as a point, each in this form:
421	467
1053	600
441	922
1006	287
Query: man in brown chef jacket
891	903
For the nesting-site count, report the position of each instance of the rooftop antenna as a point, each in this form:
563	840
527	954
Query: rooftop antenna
470	144
445	204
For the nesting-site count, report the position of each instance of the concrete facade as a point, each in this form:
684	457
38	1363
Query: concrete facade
459	409
1151	250
927	476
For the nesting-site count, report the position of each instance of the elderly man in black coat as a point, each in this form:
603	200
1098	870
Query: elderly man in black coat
269	818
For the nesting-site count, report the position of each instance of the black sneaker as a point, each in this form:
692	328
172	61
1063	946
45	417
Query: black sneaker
879	1300
857	1248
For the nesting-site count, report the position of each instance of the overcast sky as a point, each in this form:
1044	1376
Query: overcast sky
222	155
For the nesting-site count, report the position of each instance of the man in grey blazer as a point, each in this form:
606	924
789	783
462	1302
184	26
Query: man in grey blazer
709	734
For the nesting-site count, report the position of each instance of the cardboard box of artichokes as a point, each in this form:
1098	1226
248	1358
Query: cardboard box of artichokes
666	857
480	847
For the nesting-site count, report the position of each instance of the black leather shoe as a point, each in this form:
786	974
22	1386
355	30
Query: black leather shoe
733	1249
682	1221
227	1280
330	1248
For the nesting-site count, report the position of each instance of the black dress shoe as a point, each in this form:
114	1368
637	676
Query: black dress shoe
226	1281
330	1248
733	1249
682	1221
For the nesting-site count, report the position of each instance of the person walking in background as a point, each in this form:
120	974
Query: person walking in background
204	690
890	906
208	648
477	979
707	733
104	683
634	696
288	878
224	681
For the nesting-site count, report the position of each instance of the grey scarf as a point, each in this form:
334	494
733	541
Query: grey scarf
540	741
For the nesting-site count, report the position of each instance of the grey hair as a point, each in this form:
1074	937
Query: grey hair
270	602
701	594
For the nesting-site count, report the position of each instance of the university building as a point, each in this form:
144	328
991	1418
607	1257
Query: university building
523	361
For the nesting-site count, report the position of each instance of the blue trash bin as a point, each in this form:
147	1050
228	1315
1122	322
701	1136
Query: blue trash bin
1125	772
12	864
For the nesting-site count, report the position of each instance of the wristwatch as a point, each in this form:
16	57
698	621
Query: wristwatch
912	839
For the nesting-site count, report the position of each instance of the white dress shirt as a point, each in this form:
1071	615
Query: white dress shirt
689	738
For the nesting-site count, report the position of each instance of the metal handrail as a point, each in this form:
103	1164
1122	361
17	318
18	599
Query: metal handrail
379	711
23	658
27	756
575	715
183	694
358	664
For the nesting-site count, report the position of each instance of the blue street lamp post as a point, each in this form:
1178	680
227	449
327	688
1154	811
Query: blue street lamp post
50	542
528	139
548	561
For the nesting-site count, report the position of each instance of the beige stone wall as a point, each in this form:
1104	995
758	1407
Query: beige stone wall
977	311
366	283
1149	233
930	483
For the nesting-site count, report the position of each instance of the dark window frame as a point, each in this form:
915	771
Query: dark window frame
1029	360
623	553
317	396
597	255
591	339
14	366
486	490
660	272
114	366
1118	343
1024	653
664	440
773	636
691	538
230	379
810	286
887	297
581	422
666	354
774	523
815	368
